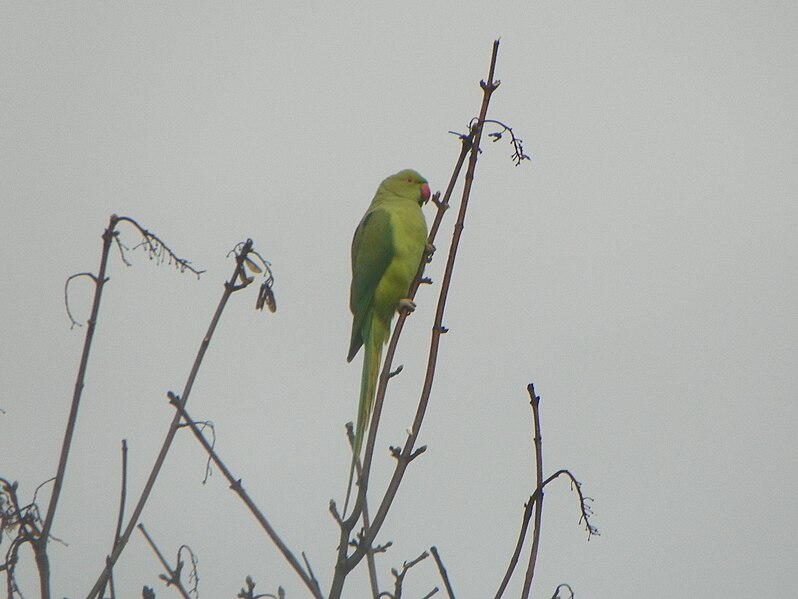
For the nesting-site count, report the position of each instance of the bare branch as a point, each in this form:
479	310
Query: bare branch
528	508
155	247
174	574
371	551
21	521
248	592
534	402
235	484
120	517
518	155
74	322
442	571
157	250
536	498
230	287
400	576
313	578
40	544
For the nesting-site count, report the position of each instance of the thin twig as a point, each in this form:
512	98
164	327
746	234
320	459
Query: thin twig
528	508
400	576
248	592
230	287
536	497
584	501
534	401
173	577
74	322
518	154
235	484
120	516
442	571
40	545
25	520
156	249
556	594
370	560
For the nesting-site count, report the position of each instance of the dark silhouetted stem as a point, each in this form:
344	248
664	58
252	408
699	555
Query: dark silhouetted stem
173	578
534	401
229	288
236	485
40	546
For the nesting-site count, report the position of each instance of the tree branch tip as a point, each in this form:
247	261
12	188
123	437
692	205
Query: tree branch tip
383	548
350	433
534	398
462	136
399	369
417	453
334	511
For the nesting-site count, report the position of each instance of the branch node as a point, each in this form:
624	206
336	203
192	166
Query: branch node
417	453
382	548
334	512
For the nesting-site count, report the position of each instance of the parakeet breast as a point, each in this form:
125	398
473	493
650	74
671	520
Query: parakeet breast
409	238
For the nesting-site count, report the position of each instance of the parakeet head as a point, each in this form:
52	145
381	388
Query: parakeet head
407	184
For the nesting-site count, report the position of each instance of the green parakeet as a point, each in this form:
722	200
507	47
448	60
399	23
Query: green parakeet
386	253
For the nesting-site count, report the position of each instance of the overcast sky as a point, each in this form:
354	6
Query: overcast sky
640	270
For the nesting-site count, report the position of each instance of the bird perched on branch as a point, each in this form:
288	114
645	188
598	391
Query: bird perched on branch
386	252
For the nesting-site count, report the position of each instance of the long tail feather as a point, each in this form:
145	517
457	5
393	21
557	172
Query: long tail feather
368	385
372	355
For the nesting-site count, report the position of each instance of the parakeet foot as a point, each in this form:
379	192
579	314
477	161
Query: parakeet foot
406	304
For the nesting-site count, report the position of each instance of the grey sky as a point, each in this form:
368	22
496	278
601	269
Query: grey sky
640	270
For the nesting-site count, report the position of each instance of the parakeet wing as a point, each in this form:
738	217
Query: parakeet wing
372	252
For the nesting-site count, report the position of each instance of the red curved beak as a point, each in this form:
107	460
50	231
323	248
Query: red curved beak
425	192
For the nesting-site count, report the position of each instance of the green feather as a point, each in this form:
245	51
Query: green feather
386	252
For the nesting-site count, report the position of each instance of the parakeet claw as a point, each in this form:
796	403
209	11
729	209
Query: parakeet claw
406	304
